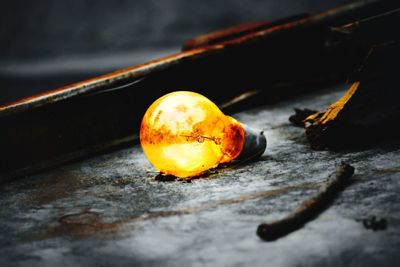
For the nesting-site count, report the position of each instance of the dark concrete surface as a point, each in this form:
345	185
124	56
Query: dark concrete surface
109	210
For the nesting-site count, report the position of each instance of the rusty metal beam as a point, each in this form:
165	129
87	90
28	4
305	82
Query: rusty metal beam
104	112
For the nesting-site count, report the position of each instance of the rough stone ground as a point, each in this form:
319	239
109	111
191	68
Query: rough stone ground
109	210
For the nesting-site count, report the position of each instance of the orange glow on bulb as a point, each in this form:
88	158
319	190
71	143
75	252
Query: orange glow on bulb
184	134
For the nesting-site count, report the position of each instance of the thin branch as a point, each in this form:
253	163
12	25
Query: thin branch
310	208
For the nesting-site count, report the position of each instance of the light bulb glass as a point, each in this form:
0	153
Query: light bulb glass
184	134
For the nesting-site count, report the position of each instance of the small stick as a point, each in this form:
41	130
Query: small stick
310	208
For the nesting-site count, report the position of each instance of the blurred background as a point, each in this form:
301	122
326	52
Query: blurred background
46	44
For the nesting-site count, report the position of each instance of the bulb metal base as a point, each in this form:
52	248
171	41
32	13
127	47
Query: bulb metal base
254	146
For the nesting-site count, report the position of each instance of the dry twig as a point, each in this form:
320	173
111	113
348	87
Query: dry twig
310	208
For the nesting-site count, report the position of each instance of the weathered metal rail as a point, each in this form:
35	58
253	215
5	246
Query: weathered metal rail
101	113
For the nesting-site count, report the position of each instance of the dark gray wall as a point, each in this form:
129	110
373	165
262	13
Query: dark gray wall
80	38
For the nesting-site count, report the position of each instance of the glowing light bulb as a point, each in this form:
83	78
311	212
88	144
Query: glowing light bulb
184	134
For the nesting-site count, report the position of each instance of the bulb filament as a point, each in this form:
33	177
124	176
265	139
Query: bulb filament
202	138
